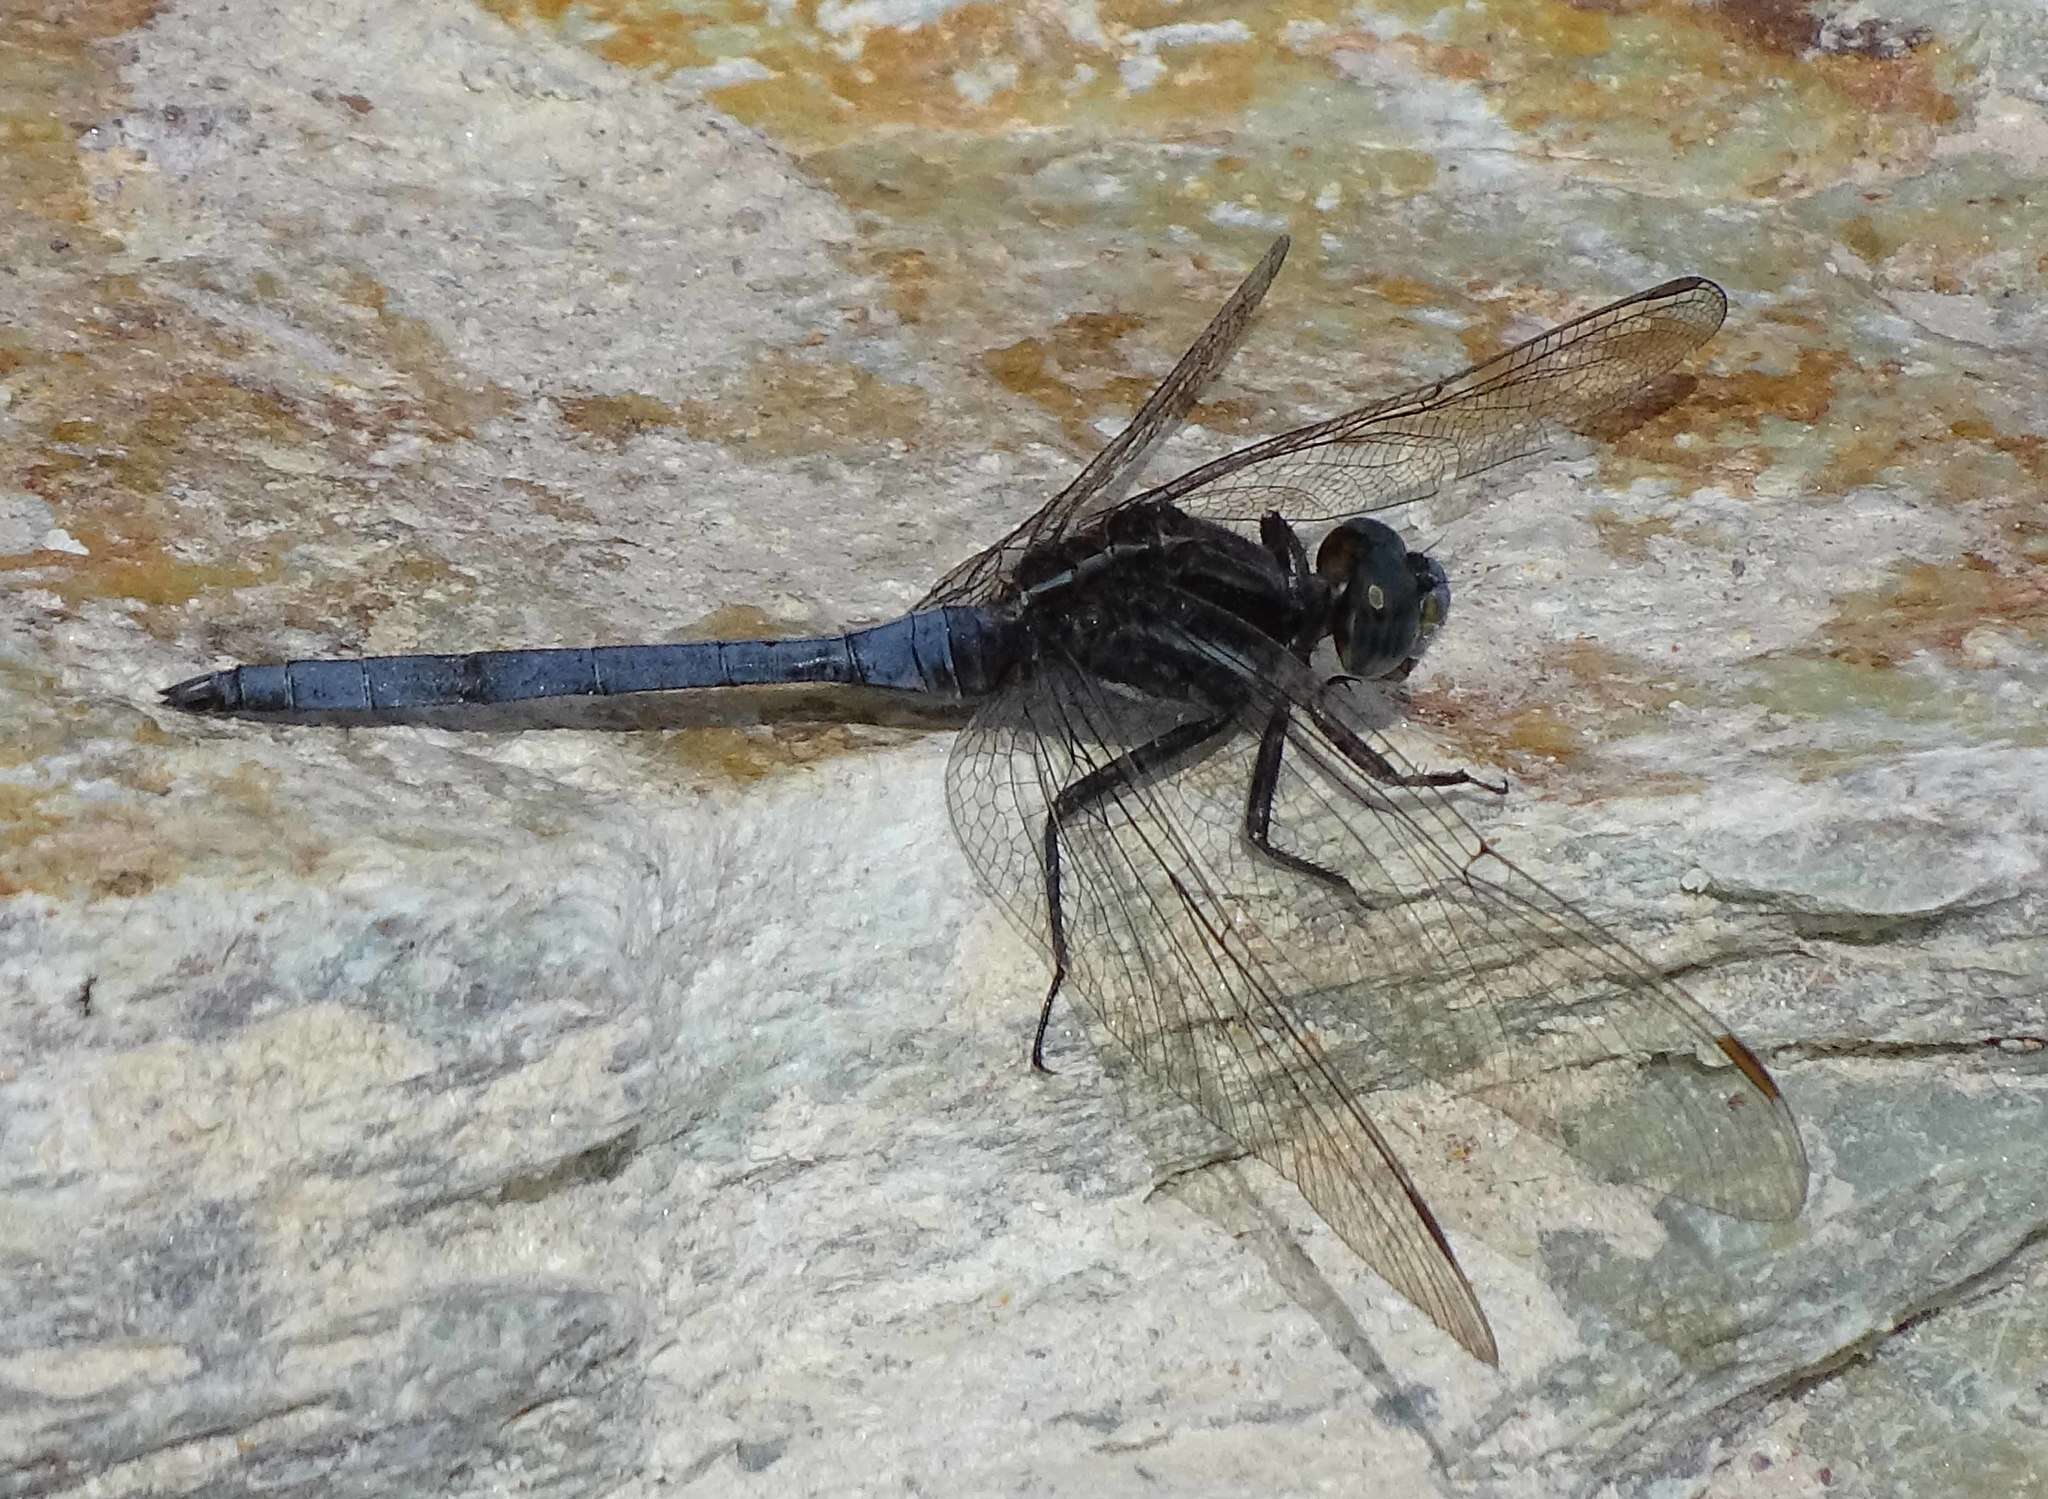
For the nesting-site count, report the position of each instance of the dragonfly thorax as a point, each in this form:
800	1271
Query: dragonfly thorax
1386	602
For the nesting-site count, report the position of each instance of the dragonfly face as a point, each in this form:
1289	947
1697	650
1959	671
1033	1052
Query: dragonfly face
1386	602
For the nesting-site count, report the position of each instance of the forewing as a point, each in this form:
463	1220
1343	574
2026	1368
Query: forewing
1409	446
1166	952
981	575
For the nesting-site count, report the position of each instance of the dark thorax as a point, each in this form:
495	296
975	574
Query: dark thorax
1131	600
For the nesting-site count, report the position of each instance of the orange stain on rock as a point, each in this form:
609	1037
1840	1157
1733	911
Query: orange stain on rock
453	406
53	71
783	406
615	419
26	824
1758	91
1629	540
1746	398
109	481
153	404
1930	432
791	407
978	68
2027	450
1049	372
1578	696
745	754
1539	731
908	276
1932	607
55	845
1406	291
736	622
1904	87
67	847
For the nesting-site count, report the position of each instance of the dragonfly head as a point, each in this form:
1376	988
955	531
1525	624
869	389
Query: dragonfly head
1386	602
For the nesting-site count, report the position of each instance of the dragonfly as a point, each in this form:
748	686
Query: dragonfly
1258	899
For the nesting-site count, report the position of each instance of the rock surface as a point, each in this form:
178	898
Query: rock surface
411	1110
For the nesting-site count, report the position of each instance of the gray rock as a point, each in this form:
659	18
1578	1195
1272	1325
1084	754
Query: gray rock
412	1110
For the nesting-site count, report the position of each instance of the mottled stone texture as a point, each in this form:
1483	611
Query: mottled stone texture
418	1111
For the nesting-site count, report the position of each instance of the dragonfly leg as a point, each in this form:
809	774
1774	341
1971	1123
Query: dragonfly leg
1258	809
1380	769
1132	767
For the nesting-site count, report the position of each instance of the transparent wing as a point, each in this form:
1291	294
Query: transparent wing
1388	453
1445	962
1197	997
1409	446
1274	1002
1453	965
1163	410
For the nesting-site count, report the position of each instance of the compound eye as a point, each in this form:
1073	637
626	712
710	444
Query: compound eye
1337	555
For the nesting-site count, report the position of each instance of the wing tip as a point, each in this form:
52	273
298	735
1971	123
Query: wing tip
1693	288
1483	1346
1747	1063
1787	1204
